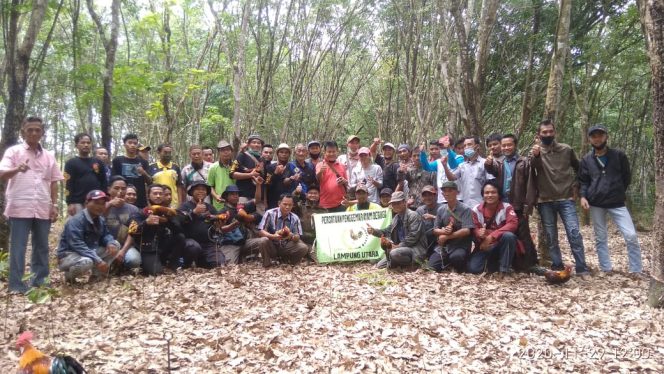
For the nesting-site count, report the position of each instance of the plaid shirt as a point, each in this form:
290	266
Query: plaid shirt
274	221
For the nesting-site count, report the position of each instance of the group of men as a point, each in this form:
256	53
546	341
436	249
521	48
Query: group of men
451	207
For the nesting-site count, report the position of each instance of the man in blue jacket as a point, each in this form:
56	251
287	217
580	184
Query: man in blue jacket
85	243
604	175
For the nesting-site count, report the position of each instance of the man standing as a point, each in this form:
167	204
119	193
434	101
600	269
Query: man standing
31	202
219	175
332	179
604	176
368	174
102	154
452	230
452	159
553	190
197	170
133	168
247	167
493	146
470	175
408	244
299	172
282	227
275	176
396	176
208	154
82	175
314	152
351	158
167	173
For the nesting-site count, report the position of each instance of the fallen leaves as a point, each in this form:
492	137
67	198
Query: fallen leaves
349	318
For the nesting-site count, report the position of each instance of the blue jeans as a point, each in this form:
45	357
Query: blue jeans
501	254
20	228
567	210
623	220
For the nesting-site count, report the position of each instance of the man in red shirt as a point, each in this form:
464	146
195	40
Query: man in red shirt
332	179
495	233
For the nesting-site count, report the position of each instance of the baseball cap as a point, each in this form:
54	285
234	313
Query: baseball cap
386	191
255	136
397	196
598	127
361	187
429	189
313	142
364	151
96	195
389	145
449	184
404	146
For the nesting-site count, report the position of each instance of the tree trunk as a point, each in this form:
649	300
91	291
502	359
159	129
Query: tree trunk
554	88
17	67
652	18
530	86
110	46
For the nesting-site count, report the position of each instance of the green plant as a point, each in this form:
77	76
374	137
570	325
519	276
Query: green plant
4	265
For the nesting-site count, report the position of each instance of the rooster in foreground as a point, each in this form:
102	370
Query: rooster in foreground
554	276
33	361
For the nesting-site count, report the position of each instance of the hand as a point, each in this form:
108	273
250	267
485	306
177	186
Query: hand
112	250
23	167
341	181
324	167
442	239
345	202
295	238
200	208
428	217
410	201
489	158
584	203
377	141
140	170
102	267
481	233
219	199
243	147
152	220
445	141
258	180
255	172
486	243
370	230
423	146
116	202
279	169
296	177
53	214
448	230
536	147
298	189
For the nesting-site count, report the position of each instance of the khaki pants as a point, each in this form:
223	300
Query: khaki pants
235	253
289	251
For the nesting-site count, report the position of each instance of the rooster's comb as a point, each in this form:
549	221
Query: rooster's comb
25	337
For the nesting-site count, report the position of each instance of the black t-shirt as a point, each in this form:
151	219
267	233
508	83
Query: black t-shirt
83	175
244	164
125	166
275	185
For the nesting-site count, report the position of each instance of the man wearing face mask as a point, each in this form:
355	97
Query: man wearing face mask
314	152
552	187
604	175
470	175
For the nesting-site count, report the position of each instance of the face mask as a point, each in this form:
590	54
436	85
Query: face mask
600	147
469	152
547	140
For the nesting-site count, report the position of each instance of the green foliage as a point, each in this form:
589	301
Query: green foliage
4	264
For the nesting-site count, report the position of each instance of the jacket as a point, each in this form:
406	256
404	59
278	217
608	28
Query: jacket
414	236
552	174
504	220
519	185
604	186
82	235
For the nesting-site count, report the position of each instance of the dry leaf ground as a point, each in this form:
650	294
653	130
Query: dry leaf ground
350	318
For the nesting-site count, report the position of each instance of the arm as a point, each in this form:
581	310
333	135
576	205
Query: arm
181	194
426	164
584	177
493	167
69	181
626	170
74	235
453	159
54	199
451	175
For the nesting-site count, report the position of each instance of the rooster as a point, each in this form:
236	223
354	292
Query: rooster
33	361
159	210
284	232
554	276
385	243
